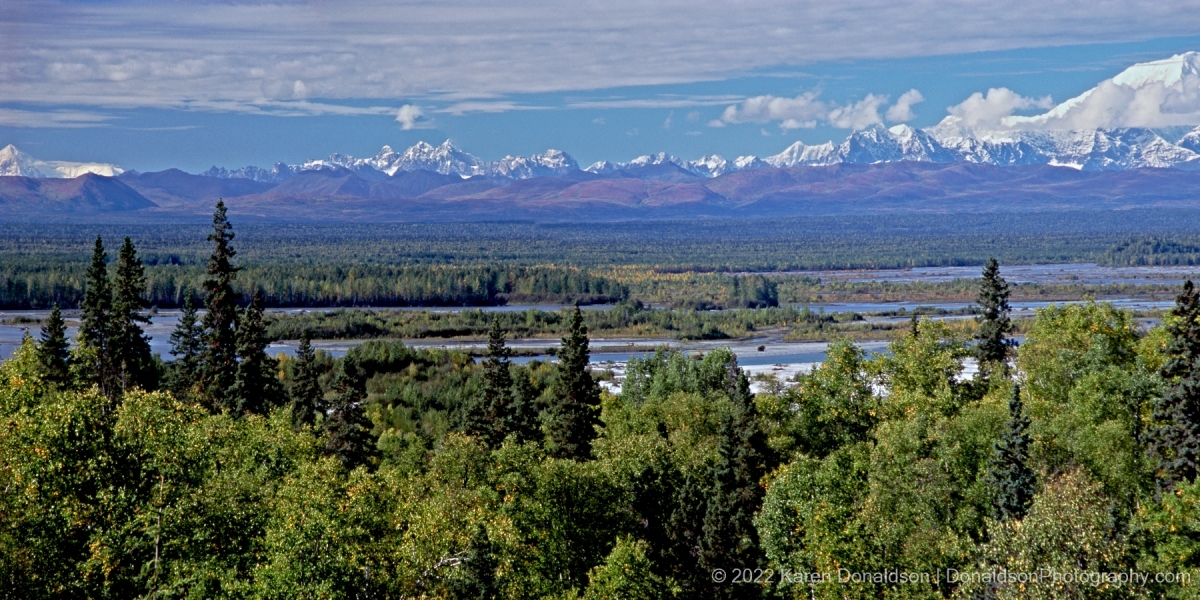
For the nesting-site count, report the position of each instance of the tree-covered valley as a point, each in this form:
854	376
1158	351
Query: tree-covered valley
1064	467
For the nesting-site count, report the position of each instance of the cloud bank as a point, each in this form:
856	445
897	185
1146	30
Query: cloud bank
807	111
233	55
1162	93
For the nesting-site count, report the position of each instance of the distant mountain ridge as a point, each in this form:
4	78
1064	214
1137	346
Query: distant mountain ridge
647	190
1091	150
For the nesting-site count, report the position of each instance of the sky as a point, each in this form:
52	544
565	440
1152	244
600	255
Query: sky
152	85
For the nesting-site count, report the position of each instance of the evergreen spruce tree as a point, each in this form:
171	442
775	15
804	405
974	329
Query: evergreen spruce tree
256	388
680	556
487	416
347	429
476	578
95	363
1008	474
571	419
991	343
1174	437
523	412
737	387
187	344
219	358
729	536
306	395
129	345
53	352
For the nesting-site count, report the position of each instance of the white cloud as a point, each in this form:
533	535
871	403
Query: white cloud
493	106
12	117
902	111
132	53
659	102
1111	105
993	111
667	123
860	115
794	112
1161	93
411	117
797	124
803	112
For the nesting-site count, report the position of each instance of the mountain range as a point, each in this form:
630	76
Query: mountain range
1089	150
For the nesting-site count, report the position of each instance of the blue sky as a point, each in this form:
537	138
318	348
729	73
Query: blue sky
150	86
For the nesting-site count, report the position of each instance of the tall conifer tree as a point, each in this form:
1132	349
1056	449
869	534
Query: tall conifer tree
1174	437
571	418
129	345
96	364
219	358
53	352
1008	474
347	429
729	535
256	388
187	344
684	531
991	342
306	395
487	415
523	411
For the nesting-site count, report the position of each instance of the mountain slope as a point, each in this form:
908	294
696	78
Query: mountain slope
88	193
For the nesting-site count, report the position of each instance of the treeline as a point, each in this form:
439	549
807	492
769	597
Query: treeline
27	283
1153	251
719	245
630	318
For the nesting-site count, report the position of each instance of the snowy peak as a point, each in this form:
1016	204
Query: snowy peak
14	163
278	174
1168	71
1190	141
446	159
549	163
710	166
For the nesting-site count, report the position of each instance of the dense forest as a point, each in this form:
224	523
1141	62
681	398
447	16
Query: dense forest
682	264
1062	468
626	319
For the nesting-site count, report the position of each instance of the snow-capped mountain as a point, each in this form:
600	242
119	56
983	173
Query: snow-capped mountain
1089	150
279	173
446	159
706	166
549	163
14	163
